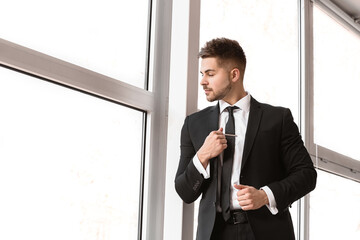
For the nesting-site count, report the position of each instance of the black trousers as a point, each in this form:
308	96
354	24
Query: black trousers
228	231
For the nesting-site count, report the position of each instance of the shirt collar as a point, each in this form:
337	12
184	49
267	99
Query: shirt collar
243	104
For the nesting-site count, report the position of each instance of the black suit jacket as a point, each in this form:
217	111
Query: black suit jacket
274	156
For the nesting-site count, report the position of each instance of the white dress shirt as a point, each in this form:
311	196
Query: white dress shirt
241	117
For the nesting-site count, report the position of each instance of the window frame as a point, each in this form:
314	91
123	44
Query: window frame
153	102
324	158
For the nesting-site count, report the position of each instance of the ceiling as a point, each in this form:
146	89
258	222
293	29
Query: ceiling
351	7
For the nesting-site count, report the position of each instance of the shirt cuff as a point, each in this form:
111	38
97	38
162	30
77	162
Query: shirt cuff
200	167
272	203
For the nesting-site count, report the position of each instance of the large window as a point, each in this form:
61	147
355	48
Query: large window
65	163
334	208
89	163
97	35
334	127
336	86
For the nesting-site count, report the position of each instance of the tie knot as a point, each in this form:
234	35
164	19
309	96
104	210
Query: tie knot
231	109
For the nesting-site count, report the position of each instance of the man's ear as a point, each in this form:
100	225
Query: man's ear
235	75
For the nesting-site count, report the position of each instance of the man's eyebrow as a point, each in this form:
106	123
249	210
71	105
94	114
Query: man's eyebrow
208	70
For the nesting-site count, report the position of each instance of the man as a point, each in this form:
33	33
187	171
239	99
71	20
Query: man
246	158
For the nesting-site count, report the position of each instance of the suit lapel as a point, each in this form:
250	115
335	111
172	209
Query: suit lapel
252	128
213	122
212	125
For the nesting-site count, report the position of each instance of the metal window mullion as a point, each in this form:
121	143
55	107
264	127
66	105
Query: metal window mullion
157	119
148	47
41	65
337	13
337	163
306	97
142	177
179	217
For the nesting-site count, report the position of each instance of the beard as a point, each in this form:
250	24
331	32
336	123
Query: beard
219	94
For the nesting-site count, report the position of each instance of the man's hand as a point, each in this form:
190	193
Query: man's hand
214	144
250	198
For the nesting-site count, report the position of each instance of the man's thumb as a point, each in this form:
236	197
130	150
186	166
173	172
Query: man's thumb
240	186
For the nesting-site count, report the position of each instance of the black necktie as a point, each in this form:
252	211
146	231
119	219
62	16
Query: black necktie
227	165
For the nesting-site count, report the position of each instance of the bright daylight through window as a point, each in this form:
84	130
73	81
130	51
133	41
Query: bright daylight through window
63	152
334	205
336	86
331	194
86	33
62	158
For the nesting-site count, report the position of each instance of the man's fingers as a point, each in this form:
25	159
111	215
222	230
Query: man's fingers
246	202
223	140
217	135
240	186
220	135
250	198
243	189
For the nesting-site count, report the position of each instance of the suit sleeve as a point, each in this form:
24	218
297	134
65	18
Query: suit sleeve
300	173
188	180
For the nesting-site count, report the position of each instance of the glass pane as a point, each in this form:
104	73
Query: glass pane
334	208
107	36
66	161
336	86
268	33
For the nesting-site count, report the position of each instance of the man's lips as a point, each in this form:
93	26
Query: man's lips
207	90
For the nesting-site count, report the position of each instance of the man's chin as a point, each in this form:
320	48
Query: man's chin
210	99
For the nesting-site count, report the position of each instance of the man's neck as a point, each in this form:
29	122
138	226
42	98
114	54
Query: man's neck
235	98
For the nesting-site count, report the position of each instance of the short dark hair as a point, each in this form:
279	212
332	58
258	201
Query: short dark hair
225	50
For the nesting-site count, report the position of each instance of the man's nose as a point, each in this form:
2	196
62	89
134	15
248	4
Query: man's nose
203	81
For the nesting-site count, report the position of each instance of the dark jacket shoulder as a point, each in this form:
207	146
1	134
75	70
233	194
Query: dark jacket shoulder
204	112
